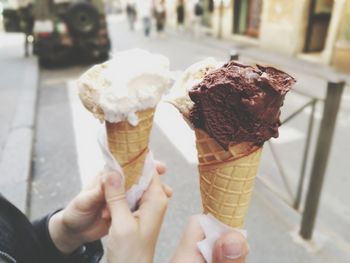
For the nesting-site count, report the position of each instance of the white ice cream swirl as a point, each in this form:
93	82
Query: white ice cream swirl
134	80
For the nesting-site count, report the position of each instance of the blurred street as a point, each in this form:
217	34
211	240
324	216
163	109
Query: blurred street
66	154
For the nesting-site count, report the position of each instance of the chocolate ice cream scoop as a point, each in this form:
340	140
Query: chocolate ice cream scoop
240	103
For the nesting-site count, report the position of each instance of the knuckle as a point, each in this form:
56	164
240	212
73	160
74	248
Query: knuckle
158	203
161	203
158	191
116	198
164	201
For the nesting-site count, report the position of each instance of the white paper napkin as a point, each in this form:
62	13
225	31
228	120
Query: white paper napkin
134	194
213	229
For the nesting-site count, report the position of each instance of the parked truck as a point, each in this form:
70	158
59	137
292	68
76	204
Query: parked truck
62	30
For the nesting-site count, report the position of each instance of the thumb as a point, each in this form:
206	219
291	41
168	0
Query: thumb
187	250
115	197
231	247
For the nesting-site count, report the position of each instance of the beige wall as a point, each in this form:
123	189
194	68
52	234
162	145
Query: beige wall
227	20
343	38
283	25
171	12
341	50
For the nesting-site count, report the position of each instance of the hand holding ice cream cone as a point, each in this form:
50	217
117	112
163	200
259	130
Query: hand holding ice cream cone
230	247
124	93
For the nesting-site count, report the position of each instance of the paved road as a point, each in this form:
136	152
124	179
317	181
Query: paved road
13	64
66	154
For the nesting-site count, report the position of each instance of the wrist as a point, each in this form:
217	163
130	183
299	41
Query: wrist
65	240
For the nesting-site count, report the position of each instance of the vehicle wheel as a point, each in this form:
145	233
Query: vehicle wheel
82	18
45	62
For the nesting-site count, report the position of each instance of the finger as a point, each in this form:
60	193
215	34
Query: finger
102	228
115	198
154	193
153	206
167	190
160	167
187	250
89	200
105	214
232	247
193	233
96	180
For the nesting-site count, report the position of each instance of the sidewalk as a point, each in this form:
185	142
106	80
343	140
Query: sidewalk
18	91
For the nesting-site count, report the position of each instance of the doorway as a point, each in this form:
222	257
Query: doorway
208	13
246	17
318	24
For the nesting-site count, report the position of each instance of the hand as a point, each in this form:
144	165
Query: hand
81	221
86	217
231	247
133	236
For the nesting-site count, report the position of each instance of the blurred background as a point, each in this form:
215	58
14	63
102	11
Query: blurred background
48	148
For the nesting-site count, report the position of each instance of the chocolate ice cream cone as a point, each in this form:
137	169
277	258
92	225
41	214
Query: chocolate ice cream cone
129	144
234	109
226	178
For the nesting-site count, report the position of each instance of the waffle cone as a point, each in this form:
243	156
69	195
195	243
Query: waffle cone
226	178
129	144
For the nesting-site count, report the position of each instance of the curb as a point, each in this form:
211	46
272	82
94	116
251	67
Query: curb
16	162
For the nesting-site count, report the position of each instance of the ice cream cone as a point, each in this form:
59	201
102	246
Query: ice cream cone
232	107
129	144
226	178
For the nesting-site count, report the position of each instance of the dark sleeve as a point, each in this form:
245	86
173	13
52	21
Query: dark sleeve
88	253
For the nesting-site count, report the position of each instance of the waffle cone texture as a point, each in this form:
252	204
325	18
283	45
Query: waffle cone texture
129	144
226	178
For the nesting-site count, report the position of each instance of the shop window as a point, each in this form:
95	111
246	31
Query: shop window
246	17
318	24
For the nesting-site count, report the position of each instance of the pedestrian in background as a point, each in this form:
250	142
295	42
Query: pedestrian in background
144	9
180	14
160	16
198	11
131	13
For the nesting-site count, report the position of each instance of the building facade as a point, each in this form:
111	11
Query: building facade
318	30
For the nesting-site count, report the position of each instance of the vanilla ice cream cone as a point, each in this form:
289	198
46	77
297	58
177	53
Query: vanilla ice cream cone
124	93
129	144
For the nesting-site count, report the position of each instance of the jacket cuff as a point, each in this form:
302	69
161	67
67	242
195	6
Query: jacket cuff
88	253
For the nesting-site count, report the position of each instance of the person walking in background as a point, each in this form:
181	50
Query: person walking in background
180	14
131	13
144	10
160	16
198	11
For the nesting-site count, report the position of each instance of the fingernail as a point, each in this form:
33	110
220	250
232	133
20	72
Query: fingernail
114	180
232	250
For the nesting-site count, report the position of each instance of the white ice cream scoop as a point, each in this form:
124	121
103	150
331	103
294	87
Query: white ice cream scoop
133	80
